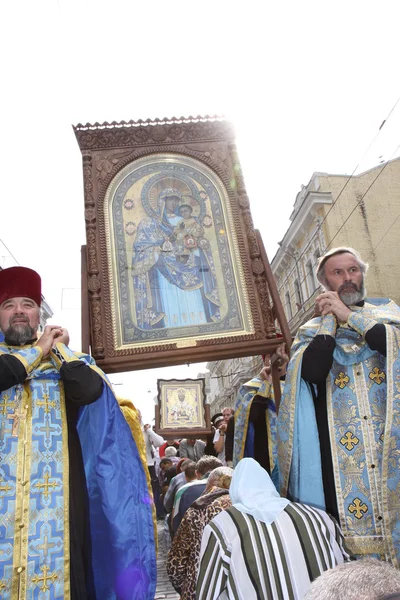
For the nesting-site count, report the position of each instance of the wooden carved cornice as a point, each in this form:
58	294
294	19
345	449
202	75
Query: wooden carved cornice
99	136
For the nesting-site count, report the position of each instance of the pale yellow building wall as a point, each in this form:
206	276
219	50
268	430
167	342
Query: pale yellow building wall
372	228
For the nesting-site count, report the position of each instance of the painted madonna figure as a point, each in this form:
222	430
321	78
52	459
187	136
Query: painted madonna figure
174	275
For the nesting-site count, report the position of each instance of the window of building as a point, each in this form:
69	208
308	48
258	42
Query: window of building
316	256
310	277
297	294
288	305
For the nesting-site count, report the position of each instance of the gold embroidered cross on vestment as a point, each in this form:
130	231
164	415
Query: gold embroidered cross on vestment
358	508
377	376
342	380
349	440
43	579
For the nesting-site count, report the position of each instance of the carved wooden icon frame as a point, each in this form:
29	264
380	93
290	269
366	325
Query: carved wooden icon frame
182	409
132	167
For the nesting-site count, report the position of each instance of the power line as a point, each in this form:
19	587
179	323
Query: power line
360	161
350	177
363	196
383	237
9	251
292	295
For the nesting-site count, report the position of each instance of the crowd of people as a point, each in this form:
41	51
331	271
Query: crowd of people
298	503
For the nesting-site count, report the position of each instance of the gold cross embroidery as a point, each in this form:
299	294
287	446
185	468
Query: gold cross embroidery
47	429
46	403
5	487
358	508
377	376
43	579
4	406
349	440
342	380
3	431
45	546
46	485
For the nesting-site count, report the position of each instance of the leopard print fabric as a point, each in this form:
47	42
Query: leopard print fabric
183	556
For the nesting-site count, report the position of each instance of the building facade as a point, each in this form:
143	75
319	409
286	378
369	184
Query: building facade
334	210
227	376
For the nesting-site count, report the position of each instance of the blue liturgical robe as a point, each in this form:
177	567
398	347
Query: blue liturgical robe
363	408
243	445
34	489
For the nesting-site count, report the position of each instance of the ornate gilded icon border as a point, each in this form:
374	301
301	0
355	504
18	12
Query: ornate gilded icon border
182	409
107	150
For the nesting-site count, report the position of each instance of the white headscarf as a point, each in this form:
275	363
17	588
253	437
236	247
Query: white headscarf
253	492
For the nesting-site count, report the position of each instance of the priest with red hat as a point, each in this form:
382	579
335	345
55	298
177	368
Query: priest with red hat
75	513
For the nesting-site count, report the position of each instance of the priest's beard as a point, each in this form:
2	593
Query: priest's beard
350	293
18	335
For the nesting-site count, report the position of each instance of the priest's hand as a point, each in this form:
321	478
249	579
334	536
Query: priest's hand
47	339
62	336
329	303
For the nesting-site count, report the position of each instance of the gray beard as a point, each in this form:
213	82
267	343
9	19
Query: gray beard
349	298
18	336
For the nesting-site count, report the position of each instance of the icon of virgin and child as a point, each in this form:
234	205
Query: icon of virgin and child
174	276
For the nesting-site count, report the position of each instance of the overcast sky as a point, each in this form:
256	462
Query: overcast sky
307	85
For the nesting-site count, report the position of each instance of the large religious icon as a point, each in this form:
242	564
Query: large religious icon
176	272
182	408
173	270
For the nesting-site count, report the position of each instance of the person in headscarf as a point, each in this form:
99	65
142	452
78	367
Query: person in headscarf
183	556
265	546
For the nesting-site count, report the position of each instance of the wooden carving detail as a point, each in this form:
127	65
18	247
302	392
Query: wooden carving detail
160	131
107	164
255	255
94	285
108	148
217	154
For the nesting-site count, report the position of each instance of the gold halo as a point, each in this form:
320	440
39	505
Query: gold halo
164	184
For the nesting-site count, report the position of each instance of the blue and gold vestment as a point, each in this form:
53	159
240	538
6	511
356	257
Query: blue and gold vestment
363	406
243	431
34	489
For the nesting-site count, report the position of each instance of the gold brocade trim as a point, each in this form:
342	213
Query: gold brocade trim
365	545
285	451
335	461
22	496
29	366
392	349
271	456
367	445
245	428
374	475
67	559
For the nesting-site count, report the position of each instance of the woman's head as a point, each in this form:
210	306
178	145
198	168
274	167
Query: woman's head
220	477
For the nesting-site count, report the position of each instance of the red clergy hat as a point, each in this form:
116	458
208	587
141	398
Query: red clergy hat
20	282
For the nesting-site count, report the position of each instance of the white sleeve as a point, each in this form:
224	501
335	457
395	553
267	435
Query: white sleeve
216	436
155	439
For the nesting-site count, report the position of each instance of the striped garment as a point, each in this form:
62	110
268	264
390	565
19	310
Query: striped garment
243	558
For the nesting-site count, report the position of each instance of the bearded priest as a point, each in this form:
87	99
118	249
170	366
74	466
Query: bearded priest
339	420
75	511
